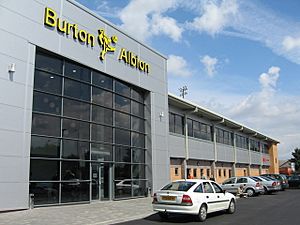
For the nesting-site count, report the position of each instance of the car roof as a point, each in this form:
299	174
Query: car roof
193	180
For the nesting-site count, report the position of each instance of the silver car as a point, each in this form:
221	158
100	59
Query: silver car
269	185
250	186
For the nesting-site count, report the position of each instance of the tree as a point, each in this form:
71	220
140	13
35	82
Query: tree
296	158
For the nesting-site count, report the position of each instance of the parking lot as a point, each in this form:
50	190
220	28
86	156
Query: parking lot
279	208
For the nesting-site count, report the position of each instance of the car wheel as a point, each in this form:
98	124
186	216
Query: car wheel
202	213
250	192
266	191
163	215
231	207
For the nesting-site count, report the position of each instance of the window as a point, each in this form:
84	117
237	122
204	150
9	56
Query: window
78	72
176	124
179	186
195	173
229	181
241	180
199	189
81	116
265	148
245	172
76	109
201	173
199	130
176	171
241	142
207	187
229	173
190	127
224	172
102	97
207	173
46	103
217	188
254	145
47	82
102	81
220	172
77	90
224	137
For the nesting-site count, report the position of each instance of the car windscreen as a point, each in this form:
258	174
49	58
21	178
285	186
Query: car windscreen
179	186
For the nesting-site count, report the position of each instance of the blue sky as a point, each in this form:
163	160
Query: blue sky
239	58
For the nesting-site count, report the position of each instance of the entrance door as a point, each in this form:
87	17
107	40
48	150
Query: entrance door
101	181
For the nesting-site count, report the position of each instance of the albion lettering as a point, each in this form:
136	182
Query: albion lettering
133	60
63	26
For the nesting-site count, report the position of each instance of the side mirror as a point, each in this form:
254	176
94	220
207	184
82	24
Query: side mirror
224	191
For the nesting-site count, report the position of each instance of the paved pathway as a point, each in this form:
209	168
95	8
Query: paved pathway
84	214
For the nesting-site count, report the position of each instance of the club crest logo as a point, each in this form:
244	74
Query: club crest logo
105	43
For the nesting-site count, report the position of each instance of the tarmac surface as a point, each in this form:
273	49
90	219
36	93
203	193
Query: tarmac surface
281	208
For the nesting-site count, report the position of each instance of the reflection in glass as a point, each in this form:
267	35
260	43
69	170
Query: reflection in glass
76	109
102	115
137	109
76	150
48	62
47	82
122	89
137	95
122	137
44	193
122	171
101	133
44	147
102	80
75	170
75	191
76	129
138	171
122	154
45	125
138	140
139	188
77	72
44	170
122	103
101	152
122	120
102	97
138	155
77	90
137	124
46	103
123	188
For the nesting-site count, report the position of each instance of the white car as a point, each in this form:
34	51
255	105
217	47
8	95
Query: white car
194	197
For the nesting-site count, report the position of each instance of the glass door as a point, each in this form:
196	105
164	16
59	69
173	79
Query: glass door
101	181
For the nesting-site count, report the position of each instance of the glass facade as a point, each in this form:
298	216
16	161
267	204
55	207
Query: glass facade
88	134
199	130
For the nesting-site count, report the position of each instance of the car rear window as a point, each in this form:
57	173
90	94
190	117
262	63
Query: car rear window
256	178
268	178
179	186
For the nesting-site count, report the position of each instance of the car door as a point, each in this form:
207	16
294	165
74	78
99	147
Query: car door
223	201
229	185
240	181
210	196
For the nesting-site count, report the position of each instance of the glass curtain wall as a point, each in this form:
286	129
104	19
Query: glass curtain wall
82	117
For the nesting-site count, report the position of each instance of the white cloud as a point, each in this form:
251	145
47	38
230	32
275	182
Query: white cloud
215	17
166	25
209	64
144	18
177	66
290	43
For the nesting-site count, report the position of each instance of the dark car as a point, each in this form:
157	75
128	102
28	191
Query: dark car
294	181
281	178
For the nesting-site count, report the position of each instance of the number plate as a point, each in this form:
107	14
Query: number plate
168	198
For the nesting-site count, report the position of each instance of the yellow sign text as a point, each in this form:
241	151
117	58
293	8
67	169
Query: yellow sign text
63	26
133	60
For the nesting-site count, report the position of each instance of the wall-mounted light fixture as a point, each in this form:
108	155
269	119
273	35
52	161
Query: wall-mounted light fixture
12	68
161	115
11	71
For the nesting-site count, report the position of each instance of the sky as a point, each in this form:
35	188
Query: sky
238	58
